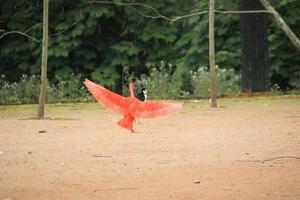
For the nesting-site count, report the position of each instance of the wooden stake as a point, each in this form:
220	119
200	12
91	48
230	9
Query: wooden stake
212	71
43	86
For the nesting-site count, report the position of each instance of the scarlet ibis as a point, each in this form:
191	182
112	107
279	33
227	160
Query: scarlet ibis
130	107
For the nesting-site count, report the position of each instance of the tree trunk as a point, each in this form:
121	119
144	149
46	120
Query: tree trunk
43	86
289	33
254	49
212	71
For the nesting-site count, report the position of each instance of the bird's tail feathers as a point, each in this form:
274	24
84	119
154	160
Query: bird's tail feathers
126	122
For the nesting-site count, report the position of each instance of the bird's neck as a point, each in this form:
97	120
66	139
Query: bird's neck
131	93
131	89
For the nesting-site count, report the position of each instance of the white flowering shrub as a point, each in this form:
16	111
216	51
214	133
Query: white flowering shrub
228	82
162	83
27	90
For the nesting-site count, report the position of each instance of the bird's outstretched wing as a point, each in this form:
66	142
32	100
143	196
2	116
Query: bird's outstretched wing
107	98
153	109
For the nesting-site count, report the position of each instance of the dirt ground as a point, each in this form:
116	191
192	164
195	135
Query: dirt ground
245	149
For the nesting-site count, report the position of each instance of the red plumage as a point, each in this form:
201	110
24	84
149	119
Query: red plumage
130	106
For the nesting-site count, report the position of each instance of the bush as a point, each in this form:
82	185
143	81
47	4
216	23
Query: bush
67	90
200	80
27	90
163	82
6	91
228	82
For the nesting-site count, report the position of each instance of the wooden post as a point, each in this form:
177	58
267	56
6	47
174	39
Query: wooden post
282	24
212	71
43	86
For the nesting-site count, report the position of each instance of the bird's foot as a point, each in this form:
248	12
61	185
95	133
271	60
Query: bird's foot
132	131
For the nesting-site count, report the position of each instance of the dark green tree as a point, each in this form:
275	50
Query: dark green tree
103	41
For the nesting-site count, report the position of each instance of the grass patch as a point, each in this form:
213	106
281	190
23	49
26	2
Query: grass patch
203	103
60	106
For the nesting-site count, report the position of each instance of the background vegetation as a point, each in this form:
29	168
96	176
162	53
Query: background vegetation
111	44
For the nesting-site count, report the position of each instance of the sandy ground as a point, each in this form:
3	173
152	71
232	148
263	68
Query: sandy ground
247	149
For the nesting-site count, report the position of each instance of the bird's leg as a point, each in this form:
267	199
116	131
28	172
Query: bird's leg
132	131
138	121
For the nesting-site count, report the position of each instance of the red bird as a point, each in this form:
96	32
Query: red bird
130	106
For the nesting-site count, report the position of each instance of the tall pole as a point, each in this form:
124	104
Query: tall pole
43	86
212	62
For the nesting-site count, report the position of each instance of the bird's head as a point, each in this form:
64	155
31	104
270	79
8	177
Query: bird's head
144	90
131	86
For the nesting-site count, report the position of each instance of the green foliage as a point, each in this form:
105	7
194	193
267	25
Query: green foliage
107	77
161	83
193	44
201	81
26	90
125	47
101	40
67	90
228	82
285	58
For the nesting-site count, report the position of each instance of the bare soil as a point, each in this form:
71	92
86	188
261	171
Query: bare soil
245	149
